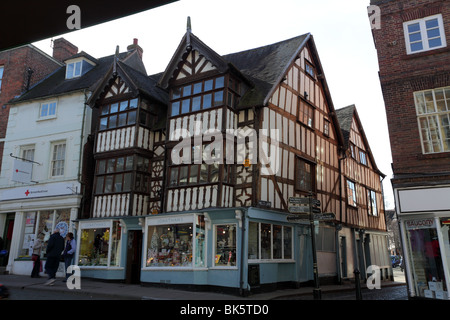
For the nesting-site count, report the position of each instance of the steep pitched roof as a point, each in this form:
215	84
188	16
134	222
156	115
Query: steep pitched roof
345	116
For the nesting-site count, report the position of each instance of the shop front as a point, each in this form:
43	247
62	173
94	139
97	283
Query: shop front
426	241
238	250
36	212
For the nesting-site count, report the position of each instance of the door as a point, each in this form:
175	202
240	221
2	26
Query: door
134	256
343	256
6	239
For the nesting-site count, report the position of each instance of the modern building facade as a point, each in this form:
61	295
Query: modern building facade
413	55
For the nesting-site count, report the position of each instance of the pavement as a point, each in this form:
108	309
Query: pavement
120	290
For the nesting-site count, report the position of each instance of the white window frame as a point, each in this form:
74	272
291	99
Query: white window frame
74	69
423	34
54	161
436	116
47	111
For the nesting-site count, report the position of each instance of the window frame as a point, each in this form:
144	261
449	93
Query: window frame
424	39
54	161
48	105
312	184
108	114
371	200
353	195
426	132
2	71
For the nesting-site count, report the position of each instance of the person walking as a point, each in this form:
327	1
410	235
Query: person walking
36	256
69	251
55	247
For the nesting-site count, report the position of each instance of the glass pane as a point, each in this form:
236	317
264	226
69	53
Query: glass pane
435	42
413	37
214	173
433	23
266	241
103	123
433	33
287	240
111	166
225	245
52	109
123	105
131	117
44	110
197	88
69	71
173	177
413	27
129	163
204	173
77	68
99	186
193	176
175	108
170	246
94	244
277	242
183	175
101	166
185	106
196	103
112	123
133	103
207	100
219	82
420	103
108	184
416	46
200	251
218	98
186	91
120	164
208	85
114	107
253	240
105	110
176	93
118	183
127	182
115	242
122	119
425	256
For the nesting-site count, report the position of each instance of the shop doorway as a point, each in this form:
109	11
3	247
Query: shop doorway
134	256
6	239
343	256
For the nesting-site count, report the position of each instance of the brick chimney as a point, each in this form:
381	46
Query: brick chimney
63	49
135	46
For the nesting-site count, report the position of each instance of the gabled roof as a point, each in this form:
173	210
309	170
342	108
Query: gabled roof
56	83
345	116
266	66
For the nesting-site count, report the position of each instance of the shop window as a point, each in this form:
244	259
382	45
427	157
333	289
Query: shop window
425	257
42	224
100	245
225	245
269	242
177	245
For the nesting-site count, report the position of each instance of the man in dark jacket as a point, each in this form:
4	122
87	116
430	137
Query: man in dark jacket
55	247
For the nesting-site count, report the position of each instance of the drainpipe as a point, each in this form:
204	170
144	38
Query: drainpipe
242	290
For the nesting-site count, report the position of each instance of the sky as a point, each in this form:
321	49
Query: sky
341	31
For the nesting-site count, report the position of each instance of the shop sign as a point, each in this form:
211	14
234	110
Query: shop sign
420	224
22	171
41	190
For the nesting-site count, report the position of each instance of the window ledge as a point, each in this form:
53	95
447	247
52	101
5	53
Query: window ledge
425	53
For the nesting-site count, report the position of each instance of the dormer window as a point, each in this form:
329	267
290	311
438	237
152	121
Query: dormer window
76	68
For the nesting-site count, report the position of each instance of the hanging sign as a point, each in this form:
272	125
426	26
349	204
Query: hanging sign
22	171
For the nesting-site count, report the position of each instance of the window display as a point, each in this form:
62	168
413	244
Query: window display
269	241
225	250
425	257
176	245
100	244
44	222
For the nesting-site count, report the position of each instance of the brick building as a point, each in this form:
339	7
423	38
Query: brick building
414	62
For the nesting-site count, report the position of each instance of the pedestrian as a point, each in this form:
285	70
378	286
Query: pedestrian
69	251
55	247
36	256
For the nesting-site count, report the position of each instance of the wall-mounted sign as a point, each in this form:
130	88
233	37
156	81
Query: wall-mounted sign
40	190
22	171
